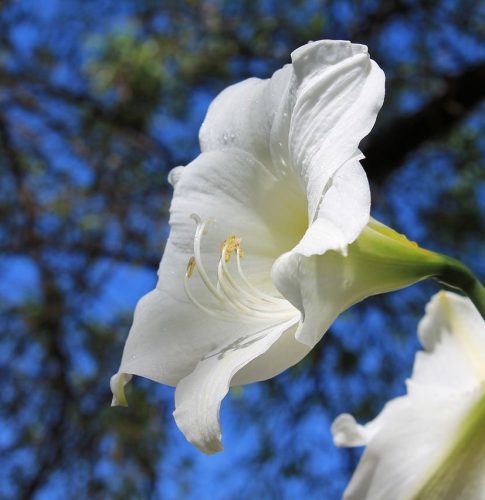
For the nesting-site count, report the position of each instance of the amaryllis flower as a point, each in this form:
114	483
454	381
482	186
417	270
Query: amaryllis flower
270	236
429	444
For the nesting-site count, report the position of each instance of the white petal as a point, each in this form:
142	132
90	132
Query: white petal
117	386
453	334
322	236
241	116
346	200
430	442
285	352
343	212
199	395
339	92
169	334
318	276
242	197
309	62
307	119
168	337
323	286
316	286
347	432
311	58
237	118
413	438
174	175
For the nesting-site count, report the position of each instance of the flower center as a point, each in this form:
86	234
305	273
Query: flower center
236	296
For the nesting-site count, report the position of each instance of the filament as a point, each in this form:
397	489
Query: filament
235	296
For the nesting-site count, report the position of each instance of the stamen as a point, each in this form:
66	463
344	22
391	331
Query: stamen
230	246
239	248
256	291
223	274
249	303
215	291
197	255
212	312
190	267
237	297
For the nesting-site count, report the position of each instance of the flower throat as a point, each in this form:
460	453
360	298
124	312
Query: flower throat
235	295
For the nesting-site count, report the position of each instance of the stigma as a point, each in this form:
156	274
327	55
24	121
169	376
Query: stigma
232	295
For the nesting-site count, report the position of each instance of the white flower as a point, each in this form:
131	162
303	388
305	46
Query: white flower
278	181
429	444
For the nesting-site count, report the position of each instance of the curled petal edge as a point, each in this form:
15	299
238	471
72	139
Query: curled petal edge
198	396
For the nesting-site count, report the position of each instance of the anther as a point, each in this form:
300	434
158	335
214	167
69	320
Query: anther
239	248
190	267
229	246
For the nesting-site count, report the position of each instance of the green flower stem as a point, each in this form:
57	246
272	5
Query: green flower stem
456	275
410	263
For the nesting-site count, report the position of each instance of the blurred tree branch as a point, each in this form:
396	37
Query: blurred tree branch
387	150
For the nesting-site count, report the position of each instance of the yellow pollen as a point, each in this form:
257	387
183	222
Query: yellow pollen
239	248
190	267
231	245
